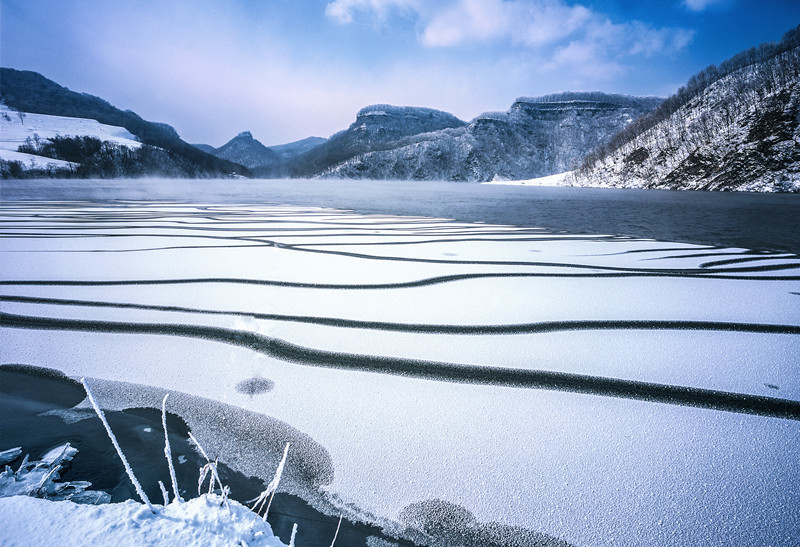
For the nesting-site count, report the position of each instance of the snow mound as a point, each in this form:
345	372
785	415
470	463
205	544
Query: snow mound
200	521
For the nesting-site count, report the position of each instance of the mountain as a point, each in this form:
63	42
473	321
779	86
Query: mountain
735	126
31	92
245	150
535	137
207	148
377	127
292	149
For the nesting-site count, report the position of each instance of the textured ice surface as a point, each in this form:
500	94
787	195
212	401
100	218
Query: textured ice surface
200	298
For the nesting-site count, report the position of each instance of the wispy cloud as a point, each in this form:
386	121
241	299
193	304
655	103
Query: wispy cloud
701	5
344	11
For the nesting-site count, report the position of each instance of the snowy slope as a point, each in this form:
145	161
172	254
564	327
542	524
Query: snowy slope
14	131
740	132
31	92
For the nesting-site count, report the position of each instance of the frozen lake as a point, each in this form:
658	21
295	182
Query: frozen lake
752	221
452	362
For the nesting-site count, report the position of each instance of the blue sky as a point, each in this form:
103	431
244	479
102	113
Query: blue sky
288	69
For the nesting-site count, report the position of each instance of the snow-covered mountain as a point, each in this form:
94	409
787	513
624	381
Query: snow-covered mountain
535	137
32	93
376	128
732	127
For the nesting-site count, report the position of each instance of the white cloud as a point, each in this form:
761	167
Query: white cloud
700	5
602	49
343	11
542	26
469	21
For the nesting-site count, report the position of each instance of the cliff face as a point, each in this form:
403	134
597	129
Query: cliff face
535	137
376	128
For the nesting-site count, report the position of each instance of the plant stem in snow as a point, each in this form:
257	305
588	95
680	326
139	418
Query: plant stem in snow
271	487
128	469
337	530
213	467
164	493
210	465
294	532
277	479
168	451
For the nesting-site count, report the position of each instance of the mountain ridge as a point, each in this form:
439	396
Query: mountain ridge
534	137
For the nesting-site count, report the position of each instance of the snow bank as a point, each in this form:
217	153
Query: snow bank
200	521
549	180
33	161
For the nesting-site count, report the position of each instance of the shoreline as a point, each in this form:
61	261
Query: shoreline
42	408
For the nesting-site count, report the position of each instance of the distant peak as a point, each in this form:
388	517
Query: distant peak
244	135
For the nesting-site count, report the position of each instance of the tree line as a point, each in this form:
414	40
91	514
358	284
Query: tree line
779	64
90	157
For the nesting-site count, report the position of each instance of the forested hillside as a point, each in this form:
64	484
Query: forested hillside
735	126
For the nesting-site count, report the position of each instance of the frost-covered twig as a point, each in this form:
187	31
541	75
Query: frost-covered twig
8	456
294	532
209	465
271	487
214	475
168	451
116	446
164	493
337	530
276	479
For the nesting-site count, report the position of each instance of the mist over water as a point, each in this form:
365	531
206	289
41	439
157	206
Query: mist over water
746	220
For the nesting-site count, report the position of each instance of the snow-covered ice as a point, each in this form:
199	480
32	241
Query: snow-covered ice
367	328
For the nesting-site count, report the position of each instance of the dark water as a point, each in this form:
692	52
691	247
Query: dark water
26	392
752	221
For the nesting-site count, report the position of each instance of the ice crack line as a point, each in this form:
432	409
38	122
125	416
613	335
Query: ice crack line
436	371
540	327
